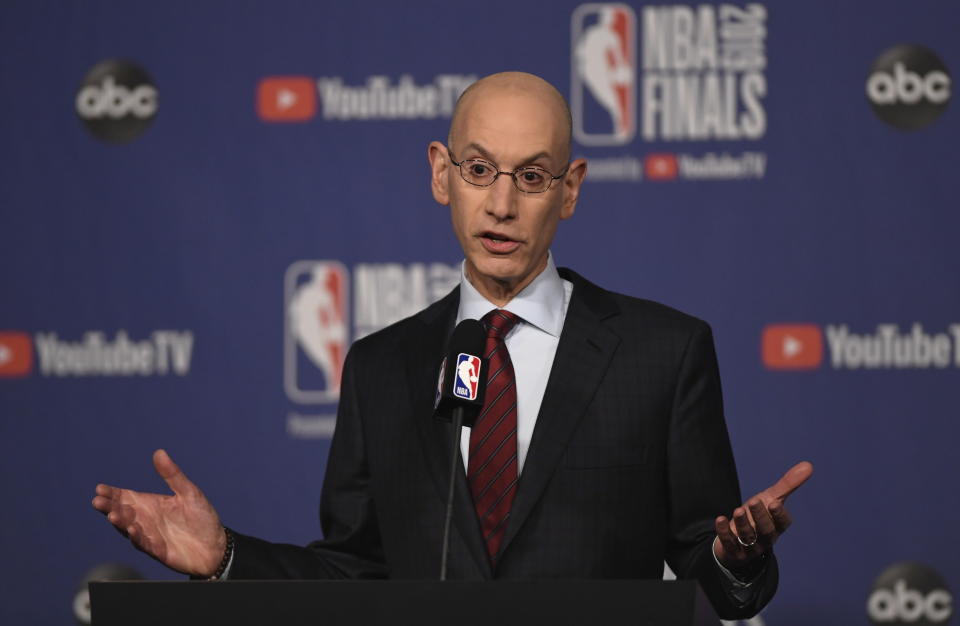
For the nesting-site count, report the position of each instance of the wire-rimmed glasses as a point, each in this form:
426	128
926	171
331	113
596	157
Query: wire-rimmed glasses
529	179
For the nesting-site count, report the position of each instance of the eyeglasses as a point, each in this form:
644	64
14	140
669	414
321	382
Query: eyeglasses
480	173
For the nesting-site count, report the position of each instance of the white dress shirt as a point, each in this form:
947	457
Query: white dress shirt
532	343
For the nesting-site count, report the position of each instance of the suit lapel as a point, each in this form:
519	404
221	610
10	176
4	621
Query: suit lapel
436	435
583	354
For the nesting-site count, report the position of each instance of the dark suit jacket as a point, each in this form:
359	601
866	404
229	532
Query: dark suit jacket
629	463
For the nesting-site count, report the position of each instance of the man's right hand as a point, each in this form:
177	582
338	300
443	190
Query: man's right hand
182	531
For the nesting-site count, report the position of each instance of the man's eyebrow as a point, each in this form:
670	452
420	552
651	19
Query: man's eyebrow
487	156
479	149
543	154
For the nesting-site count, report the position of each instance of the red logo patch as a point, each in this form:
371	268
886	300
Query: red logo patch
16	354
286	98
660	166
792	346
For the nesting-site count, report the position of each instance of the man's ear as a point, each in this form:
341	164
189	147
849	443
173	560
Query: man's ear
439	172
571	187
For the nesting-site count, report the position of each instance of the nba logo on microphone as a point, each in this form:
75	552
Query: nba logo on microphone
467	379
603	78
316	335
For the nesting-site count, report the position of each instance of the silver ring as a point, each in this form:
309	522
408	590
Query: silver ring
747	545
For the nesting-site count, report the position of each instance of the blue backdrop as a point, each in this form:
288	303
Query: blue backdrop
193	286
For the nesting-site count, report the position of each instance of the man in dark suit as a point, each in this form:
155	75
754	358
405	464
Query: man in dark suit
606	455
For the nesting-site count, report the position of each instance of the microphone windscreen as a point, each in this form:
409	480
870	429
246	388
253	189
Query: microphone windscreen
468	337
463	372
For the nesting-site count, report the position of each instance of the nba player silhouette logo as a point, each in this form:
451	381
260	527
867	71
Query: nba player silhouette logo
316	337
468	376
604	74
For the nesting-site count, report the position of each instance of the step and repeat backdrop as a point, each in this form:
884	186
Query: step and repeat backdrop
203	204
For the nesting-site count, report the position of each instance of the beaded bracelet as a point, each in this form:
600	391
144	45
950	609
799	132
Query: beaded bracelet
227	553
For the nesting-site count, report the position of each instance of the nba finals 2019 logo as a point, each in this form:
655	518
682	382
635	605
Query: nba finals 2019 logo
669	74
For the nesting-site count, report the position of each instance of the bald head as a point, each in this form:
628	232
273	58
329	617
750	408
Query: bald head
514	84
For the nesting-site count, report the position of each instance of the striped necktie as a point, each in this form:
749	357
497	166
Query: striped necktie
492	466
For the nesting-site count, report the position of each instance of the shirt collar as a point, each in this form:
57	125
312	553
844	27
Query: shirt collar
540	303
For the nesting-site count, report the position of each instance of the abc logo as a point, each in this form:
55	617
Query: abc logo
908	87
909	593
104	571
117	101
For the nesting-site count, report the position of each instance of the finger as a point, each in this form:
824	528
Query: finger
791	481
108	498
766	529
105	490
145	543
781	517
116	519
168	470
726	536
121	515
745	530
135	534
102	504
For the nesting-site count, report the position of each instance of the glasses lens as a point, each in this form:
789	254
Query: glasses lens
532	179
478	172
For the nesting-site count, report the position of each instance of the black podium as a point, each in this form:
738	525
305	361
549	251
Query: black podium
393	603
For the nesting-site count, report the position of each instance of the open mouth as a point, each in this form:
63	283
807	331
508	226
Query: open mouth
498	243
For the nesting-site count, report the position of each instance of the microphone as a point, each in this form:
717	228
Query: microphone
463	374
460	389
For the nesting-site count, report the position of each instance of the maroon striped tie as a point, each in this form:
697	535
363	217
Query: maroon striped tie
492	465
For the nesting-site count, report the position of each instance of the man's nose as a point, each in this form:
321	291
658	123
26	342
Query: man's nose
502	200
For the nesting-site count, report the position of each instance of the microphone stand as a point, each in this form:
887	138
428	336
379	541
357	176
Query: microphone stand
454	459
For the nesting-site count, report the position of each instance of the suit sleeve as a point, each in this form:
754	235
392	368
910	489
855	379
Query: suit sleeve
703	482
351	547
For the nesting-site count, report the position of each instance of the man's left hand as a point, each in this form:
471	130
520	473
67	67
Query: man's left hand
742	541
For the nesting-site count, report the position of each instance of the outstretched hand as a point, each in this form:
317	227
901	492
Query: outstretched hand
182	531
757	525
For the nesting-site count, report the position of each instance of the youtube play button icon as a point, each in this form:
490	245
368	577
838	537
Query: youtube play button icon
792	346
286	98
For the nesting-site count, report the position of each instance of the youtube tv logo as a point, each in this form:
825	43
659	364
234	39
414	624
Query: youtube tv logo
16	354
792	346
660	166
286	98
